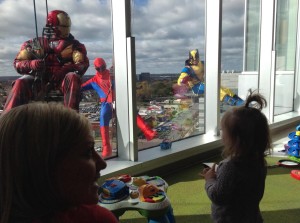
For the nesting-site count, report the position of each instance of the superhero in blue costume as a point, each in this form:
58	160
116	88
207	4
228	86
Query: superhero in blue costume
192	75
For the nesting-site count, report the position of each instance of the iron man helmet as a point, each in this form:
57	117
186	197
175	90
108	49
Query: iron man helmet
60	22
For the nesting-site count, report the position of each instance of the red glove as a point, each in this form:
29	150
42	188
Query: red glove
37	65
185	79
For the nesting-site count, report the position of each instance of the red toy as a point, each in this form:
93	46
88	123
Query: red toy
295	174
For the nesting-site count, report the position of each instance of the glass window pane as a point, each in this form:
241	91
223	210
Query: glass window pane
252	34
285	44
249	78
165	32
284	93
232	53
96	103
90	26
286	30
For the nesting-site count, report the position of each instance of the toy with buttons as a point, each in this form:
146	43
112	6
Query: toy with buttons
145	194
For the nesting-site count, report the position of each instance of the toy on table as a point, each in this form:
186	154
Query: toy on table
145	194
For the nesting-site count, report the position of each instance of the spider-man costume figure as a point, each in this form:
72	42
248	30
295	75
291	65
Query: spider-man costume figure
102	84
54	62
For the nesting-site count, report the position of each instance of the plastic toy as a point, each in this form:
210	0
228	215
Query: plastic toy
293	146
294	159
165	144
295	174
287	163
114	189
145	194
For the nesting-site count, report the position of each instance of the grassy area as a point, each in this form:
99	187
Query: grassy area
280	203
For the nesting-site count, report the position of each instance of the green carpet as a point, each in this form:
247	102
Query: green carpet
280	204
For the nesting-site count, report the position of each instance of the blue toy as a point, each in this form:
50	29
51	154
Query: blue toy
165	144
234	100
293	146
114	190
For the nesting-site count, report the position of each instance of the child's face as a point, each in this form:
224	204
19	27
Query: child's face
78	173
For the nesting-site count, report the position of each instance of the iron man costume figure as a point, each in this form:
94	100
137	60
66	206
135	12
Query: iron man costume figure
54	62
192	75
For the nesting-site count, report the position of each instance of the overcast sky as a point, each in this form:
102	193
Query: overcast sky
164	31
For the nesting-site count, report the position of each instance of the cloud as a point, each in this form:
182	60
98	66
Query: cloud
164	30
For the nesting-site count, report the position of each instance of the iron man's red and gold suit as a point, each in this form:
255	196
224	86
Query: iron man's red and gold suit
56	61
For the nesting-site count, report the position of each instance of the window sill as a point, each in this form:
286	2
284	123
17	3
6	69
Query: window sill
154	158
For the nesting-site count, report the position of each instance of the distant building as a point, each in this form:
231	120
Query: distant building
165	76
145	77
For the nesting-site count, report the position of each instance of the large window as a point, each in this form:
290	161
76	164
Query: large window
252	34
91	25
232	54
249	78
148	42
285	48
165	32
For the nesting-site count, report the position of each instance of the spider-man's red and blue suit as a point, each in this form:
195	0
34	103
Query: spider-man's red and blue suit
54	62
103	85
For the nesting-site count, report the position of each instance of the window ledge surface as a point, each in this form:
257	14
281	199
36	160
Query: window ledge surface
155	157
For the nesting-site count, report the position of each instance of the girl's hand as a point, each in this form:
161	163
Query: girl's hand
209	173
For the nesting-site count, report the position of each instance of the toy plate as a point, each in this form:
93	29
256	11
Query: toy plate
287	163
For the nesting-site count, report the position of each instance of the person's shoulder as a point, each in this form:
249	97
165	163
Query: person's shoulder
76	44
71	38
101	213
237	165
107	73
186	69
27	43
227	163
86	213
